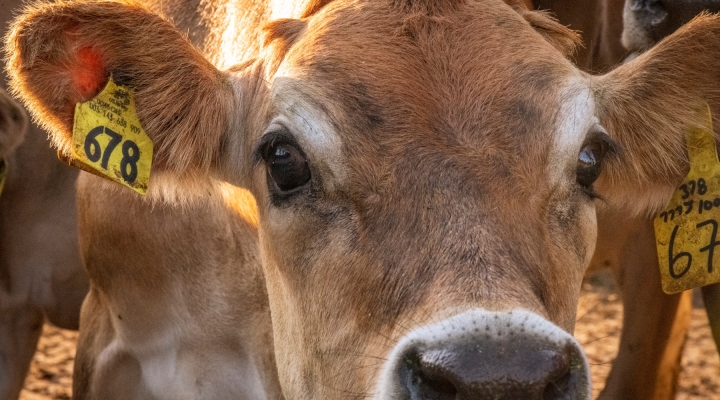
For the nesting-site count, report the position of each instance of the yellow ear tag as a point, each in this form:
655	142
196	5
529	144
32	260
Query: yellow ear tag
3	174
687	230
109	140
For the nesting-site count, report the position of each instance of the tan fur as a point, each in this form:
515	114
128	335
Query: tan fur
172	280
451	191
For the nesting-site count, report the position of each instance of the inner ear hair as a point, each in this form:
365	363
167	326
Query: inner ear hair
561	37
59	54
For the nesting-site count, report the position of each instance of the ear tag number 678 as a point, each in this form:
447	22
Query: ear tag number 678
109	141
686	231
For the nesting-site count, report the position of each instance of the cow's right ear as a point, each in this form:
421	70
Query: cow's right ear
649	105
60	54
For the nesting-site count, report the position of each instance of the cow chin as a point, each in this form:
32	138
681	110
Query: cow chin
481	354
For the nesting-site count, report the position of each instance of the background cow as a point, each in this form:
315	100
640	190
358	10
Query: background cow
646	22
41	275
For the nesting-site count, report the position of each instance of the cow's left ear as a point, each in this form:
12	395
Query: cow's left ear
649	105
63	53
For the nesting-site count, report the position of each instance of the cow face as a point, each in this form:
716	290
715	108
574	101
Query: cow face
647	21
426	173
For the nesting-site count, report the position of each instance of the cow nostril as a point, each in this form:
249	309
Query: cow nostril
427	380
437	381
558	388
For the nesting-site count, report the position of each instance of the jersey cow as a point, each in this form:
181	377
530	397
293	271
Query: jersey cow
41	274
427	173
177	307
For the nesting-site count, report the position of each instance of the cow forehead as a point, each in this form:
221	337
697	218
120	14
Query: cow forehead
476	80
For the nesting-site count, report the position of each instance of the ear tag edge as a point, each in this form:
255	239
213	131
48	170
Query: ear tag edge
686	231
108	139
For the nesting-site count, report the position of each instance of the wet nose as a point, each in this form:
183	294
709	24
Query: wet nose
487	368
482	354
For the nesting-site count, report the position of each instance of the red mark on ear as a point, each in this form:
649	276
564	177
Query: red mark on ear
89	73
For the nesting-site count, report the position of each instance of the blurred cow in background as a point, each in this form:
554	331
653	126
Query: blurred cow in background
41	274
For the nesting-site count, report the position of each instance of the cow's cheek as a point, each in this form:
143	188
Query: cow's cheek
577	265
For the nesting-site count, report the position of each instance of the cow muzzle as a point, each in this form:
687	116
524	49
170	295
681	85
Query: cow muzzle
481	354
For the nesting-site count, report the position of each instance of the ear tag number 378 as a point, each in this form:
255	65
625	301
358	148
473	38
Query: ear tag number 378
109	141
686	231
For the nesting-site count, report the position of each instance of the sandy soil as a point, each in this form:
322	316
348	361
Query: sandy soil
50	374
599	326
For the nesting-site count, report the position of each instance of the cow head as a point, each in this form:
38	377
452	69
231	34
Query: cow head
427	173
647	21
13	124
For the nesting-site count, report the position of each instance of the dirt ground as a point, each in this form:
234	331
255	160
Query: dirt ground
598	328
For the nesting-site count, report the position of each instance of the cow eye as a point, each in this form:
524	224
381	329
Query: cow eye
286	165
589	163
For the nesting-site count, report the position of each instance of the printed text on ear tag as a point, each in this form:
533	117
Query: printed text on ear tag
3	174
108	138
686	231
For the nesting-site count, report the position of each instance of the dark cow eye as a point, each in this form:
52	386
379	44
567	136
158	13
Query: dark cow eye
589	164
287	166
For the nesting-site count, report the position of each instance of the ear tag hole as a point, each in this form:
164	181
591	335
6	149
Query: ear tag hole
109	141
686	231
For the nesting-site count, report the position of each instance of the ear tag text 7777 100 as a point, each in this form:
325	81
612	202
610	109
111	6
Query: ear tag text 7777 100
686	231
109	141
